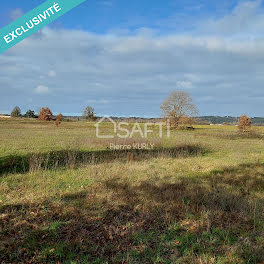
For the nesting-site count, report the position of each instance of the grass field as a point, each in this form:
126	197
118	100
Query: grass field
65	197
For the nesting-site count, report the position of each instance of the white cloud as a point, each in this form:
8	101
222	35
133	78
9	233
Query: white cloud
184	84
132	74
99	101
41	89
106	3
52	74
16	13
247	18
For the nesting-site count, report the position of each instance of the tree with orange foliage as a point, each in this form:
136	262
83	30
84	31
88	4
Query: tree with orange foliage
244	123
185	122
59	118
45	114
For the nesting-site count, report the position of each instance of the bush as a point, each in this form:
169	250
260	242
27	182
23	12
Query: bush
30	114
185	122
45	114
59	119
244	123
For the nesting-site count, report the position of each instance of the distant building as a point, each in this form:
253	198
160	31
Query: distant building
5	116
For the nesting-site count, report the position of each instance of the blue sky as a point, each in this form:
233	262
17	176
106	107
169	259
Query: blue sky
125	57
101	16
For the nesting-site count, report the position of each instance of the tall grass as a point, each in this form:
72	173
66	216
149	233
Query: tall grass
65	197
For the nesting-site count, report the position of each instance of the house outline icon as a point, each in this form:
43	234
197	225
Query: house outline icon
97	125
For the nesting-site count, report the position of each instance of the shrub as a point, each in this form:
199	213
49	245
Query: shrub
59	119
244	123
185	122
45	114
30	114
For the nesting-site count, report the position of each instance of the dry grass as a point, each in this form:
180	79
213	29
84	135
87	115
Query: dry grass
196	198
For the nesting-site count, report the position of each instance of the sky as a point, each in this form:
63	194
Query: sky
125	57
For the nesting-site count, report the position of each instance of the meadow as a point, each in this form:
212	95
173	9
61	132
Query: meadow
65	197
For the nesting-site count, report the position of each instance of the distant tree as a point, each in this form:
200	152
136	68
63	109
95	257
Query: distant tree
89	113
244	123
45	114
16	112
178	105
30	114
59	119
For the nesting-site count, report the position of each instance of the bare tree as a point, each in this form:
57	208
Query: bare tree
45	114
89	113
178	105
244	123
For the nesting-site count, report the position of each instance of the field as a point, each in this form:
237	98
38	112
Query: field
65	197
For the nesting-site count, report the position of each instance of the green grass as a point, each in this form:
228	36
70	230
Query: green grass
198	197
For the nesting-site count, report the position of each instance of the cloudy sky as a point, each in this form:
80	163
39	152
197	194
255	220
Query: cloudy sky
124	57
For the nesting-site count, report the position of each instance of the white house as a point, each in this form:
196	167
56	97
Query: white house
5	116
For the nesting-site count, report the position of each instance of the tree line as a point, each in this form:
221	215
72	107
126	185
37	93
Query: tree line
178	109
45	114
